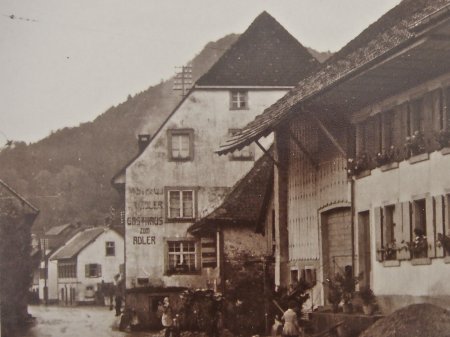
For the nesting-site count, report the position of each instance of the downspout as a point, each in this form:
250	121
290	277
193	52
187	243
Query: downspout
352	206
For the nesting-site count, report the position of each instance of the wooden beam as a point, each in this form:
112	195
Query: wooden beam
303	149
267	153
329	135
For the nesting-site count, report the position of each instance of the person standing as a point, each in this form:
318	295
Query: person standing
291	327
167	317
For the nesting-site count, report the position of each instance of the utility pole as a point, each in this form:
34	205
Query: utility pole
183	79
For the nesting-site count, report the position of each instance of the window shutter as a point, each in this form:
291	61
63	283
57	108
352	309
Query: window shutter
446	214
440	226
427	115
406	230
431	229
398	216
398	140
437	109
86	270
208	252
166	256
99	270
378	232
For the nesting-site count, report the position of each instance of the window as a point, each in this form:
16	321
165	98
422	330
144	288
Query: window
93	270
294	276
389	240
181	204
110	248
416	116
181	144
246	153
181	256
420	215
67	269
387	130
239	100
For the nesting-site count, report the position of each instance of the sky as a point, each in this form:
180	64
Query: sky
64	62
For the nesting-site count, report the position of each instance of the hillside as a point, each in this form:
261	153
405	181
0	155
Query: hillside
67	174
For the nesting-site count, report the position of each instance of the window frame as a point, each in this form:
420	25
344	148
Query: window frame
239	155
196	254
67	269
113	247
180	132
97	270
179	189
236	99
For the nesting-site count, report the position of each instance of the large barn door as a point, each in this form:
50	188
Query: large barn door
337	241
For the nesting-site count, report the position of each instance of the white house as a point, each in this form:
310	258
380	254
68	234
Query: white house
177	179
90	258
383	100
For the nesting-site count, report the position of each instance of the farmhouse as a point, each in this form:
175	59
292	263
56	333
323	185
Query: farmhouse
362	178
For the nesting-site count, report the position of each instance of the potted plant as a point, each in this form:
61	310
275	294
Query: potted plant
368	299
415	144
334	293
358	165
348	286
386	157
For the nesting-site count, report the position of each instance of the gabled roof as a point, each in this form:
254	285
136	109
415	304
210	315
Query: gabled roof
75	245
246	202
397	29
6	189
266	54
58	229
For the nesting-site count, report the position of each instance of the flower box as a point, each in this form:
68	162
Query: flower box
418	158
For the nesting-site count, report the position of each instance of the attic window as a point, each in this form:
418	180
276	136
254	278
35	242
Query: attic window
181	144
239	100
246	153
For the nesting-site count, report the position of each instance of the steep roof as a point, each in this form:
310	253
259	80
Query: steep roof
6	189
396	29
58	229
266	54
245	204
75	245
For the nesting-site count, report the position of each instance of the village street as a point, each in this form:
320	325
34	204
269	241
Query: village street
86	321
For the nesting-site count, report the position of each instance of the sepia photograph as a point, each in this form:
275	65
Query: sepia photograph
225	168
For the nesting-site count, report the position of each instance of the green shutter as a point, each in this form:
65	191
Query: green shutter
431	228
377	215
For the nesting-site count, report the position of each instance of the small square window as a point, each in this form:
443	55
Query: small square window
110	248
181	204
239	100
181	145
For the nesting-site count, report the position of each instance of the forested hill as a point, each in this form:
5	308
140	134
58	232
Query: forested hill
67	174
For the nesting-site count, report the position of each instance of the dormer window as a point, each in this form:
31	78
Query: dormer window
180	144
239	100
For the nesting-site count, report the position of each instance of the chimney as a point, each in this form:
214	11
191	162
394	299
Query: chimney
143	141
